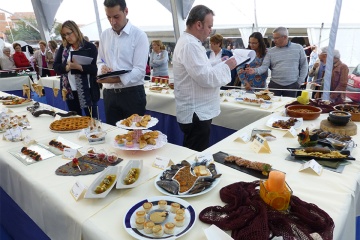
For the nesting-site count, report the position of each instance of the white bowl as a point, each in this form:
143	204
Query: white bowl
131	164
96	137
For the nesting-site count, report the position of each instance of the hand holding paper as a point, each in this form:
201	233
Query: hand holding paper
244	56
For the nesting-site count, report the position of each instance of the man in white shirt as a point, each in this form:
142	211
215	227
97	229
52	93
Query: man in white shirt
196	82
122	47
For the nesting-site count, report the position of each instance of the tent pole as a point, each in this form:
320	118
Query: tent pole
97	18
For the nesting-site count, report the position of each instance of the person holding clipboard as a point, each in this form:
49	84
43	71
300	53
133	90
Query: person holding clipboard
123	53
75	62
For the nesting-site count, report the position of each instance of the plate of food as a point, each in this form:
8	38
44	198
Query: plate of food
31	154
70	124
146	140
57	145
320	153
7	98
102	185
158	89
251	101
159	217
284	123
17	102
131	175
137	122
265	94
202	177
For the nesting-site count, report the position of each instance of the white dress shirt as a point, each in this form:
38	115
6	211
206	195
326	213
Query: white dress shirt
128	50
196	83
215	59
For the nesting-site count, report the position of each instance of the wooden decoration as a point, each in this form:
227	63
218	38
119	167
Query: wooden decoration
349	129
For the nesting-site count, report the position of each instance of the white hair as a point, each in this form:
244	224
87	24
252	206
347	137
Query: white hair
324	50
282	31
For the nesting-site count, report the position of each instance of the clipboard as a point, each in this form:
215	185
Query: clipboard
81	52
114	73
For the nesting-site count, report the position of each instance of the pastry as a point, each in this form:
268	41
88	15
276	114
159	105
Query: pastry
70	124
179	220
140	213
147	206
162	204
140	223
169	228
148	226
174	207
142	144
180	212
158	231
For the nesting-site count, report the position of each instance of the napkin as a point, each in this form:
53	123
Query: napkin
215	233
244	56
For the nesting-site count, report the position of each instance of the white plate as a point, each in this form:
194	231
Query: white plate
151	123
190	218
100	139
163	191
269	123
241	100
18	105
131	164
109	170
160	142
45	154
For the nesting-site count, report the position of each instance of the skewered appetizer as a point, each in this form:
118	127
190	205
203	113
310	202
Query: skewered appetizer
58	145
259	166
28	152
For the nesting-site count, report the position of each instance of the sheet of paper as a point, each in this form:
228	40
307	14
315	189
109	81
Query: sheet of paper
82	60
244	56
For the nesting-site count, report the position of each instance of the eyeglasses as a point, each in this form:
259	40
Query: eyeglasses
276	38
67	34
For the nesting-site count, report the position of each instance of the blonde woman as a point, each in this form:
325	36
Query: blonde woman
159	61
41	61
79	81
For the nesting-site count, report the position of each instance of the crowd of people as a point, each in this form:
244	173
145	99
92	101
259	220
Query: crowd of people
198	74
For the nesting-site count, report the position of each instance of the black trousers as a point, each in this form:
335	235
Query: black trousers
122	103
74	105
196	134
284	93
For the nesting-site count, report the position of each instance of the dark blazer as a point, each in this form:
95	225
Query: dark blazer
92	94
228	53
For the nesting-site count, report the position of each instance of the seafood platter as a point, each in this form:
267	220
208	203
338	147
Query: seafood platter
160	217
188	179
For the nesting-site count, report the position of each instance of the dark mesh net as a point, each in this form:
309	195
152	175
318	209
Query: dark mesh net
249	217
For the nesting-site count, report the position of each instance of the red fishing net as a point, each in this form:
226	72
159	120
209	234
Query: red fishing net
249	217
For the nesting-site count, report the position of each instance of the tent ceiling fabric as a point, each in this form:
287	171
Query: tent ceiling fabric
186	6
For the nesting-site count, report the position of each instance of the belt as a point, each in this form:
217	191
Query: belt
128	89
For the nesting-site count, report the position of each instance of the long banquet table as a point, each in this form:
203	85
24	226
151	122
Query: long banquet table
336	193
45	196
14	85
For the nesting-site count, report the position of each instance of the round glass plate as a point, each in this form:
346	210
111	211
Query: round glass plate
150	124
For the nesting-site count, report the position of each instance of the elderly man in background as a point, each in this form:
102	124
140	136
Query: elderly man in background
7	61
196	82
287	62
339	76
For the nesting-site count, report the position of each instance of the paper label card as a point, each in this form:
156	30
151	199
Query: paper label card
77	190
265	105
164	91
70	153
204	157
28	140
291	133
57	117
162	162
260	145
243	138
312	166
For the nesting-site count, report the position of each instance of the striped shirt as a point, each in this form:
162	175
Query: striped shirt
196	83
287	64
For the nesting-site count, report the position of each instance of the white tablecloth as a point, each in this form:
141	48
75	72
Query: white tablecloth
45	196
337	194
14	83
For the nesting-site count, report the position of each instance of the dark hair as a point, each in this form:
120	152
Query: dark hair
53	44
16	44
114	3
198	13
262	46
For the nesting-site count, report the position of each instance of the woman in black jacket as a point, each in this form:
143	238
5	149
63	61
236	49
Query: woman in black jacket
78	81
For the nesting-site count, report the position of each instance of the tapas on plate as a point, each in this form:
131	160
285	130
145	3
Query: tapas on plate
131	175
284	123
252	101
159	217
188	180
102	185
